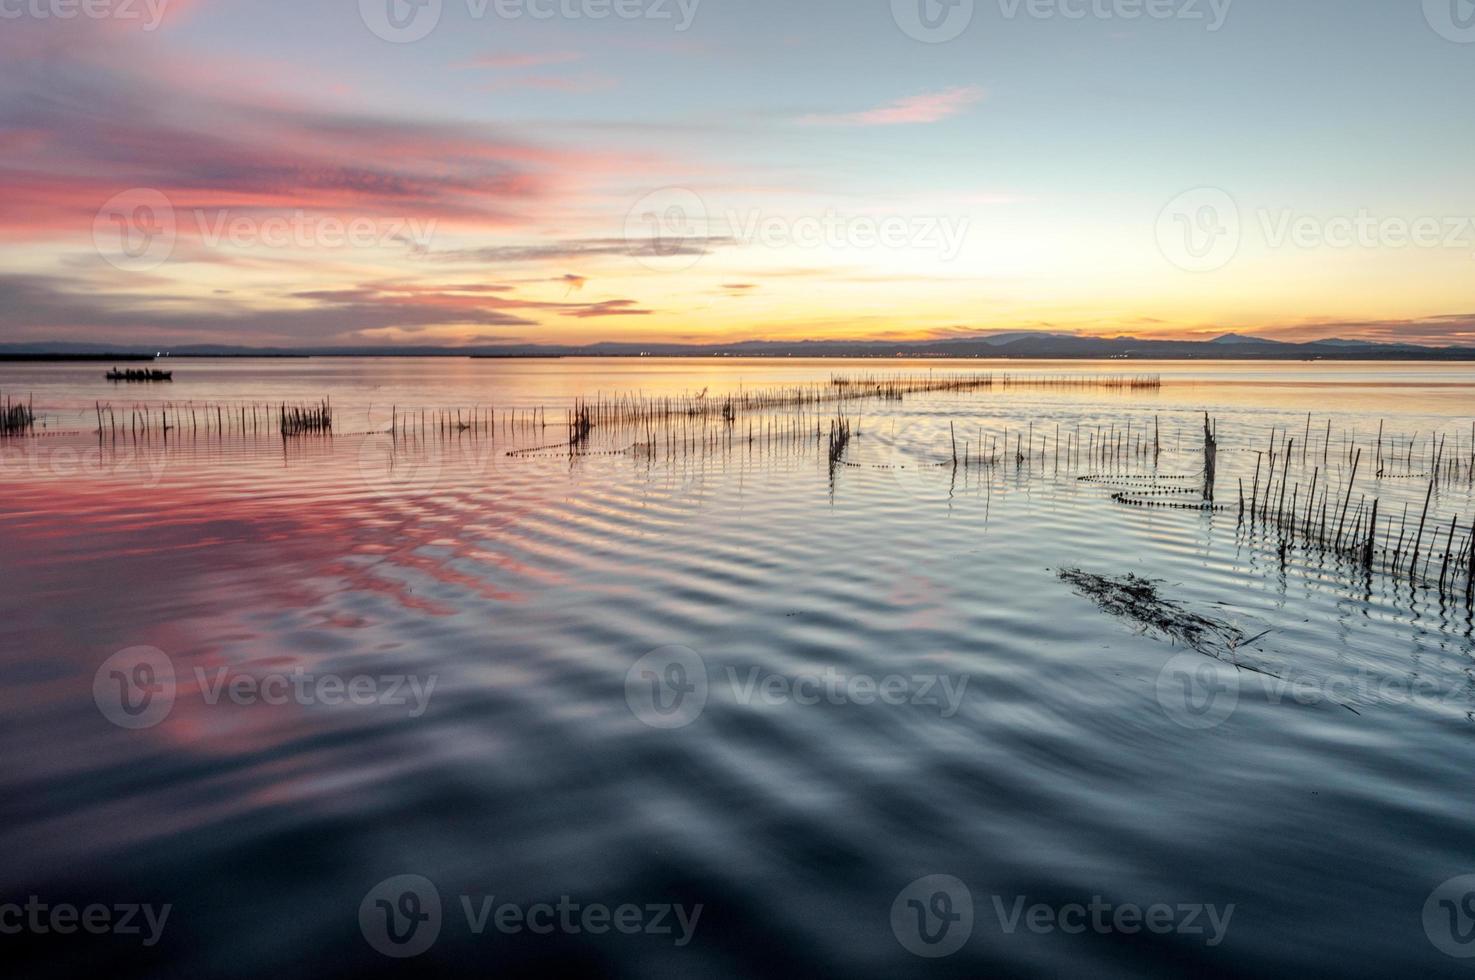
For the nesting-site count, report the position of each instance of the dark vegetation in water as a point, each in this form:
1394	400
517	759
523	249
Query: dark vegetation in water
16	418
1324	521
839	439
1312	491
140	374
308	420
1138	600
1310	501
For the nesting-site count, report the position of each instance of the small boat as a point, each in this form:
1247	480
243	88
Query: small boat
140	374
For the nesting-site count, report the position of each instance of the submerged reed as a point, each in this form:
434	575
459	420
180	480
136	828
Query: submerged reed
306	420
16	418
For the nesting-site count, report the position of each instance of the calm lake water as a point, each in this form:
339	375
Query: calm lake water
693	701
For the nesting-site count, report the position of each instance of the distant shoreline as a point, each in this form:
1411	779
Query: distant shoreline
75	357
1002	347
1402	355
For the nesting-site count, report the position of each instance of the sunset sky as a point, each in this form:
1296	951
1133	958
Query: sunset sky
288	173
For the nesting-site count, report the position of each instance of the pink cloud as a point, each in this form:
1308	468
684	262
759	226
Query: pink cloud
71	140
914	110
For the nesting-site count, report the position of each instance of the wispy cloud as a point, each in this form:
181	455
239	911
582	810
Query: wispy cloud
530	59
575	84
913	110
609	307
50	308
586	248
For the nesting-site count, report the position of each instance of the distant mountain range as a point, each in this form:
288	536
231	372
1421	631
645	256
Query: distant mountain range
1019	345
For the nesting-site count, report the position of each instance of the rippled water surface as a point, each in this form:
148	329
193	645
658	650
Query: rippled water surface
694	664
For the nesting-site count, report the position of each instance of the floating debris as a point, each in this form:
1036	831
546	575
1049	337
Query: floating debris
1137	599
